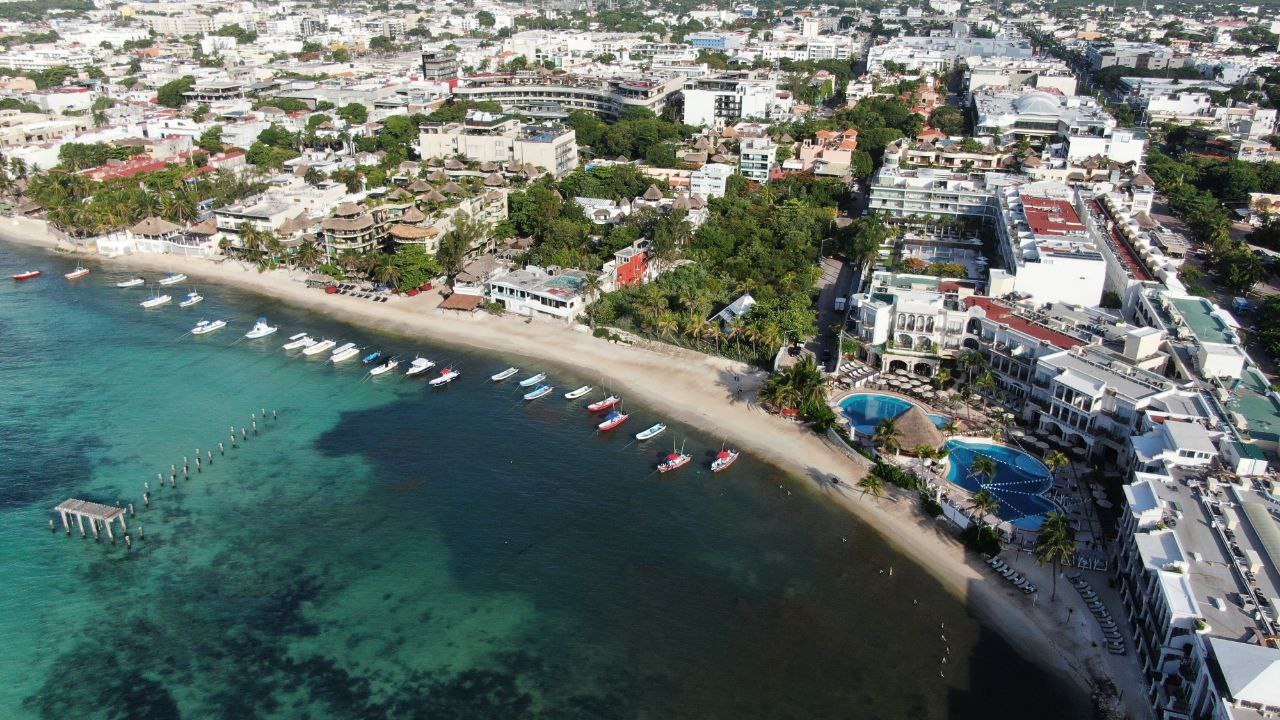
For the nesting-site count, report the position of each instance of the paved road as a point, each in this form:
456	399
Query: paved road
836	276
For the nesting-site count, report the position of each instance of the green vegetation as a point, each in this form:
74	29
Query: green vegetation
634	135
1198	188
170	94
82	207
1056	543
19	105
948	119
44	79
457	111
879	121
353	113
288	105
41	10
242	36
273	147
78	156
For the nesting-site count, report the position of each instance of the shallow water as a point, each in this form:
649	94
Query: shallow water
383	550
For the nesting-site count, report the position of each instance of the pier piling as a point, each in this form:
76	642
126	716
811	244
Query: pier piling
131	512
141	536
52	527
222	449
128	542
255	427
244	435
146	499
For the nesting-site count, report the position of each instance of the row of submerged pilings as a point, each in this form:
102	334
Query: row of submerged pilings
102	518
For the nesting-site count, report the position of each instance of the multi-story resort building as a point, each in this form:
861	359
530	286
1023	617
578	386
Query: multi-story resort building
715	102
940	54
554	96
1150	56
1196	565
485	137
755	158
936	192
1044	250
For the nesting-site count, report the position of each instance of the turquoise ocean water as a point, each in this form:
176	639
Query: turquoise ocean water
383	550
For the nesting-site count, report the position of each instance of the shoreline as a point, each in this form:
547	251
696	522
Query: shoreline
699	390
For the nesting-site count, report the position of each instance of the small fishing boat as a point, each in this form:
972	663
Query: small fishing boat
260	329
604	404
723	460
445	377
673	461
319	347
575	394
613	420
132	282
172	279
419	366
385	366
538	392
372	357
531	381
78	273
651	432
504	374
193	298
207	326
300	340
344	352
155	301
26	275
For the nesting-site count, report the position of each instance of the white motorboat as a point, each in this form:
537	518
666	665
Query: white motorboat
76	274
132	282
320	347
445	377
575	394
172	279
419	366
531	381
387	366
344	352
538	392
504	374
193	298
155	301
260	329
301	340
651	432
207	326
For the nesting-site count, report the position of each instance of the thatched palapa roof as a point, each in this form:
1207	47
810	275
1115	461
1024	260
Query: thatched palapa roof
917	429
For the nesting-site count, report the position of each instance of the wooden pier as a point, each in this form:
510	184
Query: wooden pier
95	512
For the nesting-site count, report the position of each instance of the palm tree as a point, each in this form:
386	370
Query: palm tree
941	379
985	504
887	436
970	360
388	273
1056	543
924	452
591	287
872	484
308	254
950	427
666	324
1055	461
982	467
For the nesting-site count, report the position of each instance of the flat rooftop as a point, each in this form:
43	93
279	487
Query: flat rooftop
1203	320
1210	570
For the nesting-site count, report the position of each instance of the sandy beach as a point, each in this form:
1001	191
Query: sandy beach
703	391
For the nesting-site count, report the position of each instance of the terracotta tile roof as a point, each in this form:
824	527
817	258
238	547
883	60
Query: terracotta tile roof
1003	314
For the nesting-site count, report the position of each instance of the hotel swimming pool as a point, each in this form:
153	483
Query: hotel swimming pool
1019	484
866	410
